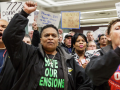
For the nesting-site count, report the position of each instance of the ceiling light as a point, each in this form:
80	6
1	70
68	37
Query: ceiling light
99	19
50	2
72	2
99	11
93	25
43	3
12	0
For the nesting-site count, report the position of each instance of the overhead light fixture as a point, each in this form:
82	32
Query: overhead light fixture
99	11
94	25
50	2
71	2
12	0
99	19
43	3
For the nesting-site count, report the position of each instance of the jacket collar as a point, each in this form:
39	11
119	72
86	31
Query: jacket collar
41	50
107	48
59	49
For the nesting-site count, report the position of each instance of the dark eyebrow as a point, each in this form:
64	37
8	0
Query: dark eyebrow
4	25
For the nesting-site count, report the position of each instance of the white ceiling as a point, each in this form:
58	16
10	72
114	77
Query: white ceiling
93	12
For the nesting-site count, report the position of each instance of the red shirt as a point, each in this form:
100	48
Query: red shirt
114	81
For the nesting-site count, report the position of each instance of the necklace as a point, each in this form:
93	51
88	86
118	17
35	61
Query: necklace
51	64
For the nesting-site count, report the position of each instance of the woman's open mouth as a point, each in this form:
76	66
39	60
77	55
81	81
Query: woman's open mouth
0	35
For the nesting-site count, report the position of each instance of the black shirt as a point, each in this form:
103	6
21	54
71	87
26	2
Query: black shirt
52	77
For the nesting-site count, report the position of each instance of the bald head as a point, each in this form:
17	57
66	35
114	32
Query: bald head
4	20
3	25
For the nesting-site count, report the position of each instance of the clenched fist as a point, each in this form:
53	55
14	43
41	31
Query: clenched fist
29	7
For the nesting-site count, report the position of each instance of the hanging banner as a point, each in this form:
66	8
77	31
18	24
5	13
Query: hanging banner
45	17
9	9
70	20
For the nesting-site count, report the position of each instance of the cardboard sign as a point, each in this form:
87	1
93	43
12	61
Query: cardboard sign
70	20
9	9
118	9
46	17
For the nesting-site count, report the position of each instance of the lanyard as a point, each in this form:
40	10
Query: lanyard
4	53
3	59
80	62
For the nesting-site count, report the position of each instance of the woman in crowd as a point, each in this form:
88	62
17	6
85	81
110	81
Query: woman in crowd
91	46
79	43
104	70
45	68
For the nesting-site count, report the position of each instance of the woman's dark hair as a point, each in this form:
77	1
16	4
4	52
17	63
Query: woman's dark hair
47	26
74	38
110	25
101	36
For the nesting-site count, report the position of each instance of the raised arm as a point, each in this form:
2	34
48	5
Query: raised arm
14	34
36	38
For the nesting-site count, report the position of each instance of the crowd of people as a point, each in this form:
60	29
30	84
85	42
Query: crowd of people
44	61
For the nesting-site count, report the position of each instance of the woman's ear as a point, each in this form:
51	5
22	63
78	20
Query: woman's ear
108	38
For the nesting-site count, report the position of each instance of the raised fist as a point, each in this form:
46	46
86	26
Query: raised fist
29	7
60	31
34	25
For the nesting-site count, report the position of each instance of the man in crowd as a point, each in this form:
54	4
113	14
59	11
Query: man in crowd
7	72
90	36
67	44
72	33
102	41
27	39
31	34
60	39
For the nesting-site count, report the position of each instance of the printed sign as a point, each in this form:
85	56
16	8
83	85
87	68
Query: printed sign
70	20
9	9
46	17
118	9
36	15
91	53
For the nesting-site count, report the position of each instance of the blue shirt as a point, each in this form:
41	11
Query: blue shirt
2	53
70	50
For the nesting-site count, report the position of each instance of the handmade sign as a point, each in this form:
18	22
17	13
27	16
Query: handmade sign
70	20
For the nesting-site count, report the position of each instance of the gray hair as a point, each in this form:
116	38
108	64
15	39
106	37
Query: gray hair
89	32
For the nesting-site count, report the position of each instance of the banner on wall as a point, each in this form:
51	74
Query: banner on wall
70	20
45	17
118	9
9	9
